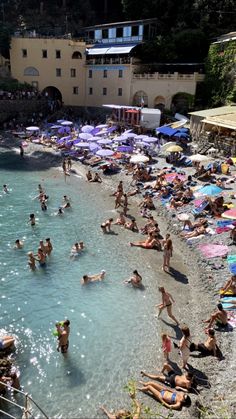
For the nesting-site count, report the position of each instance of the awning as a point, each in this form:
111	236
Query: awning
166	131
97	51
225	124
119	49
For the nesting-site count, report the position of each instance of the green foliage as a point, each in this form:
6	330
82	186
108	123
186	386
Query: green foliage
220	73
12	85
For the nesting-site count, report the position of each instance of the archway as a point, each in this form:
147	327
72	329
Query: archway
31	71
52	92
76	55
159	103
182	102
140	99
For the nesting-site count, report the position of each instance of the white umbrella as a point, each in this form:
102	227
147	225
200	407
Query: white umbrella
32	129
85	135
166	145
141	137
82	145
87	128
199	157
102	126
66	123
150	140
104	141
130	135
139	158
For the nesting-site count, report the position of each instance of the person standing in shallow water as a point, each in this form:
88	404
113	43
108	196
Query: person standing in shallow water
63	329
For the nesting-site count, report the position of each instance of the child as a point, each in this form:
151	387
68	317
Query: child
166	345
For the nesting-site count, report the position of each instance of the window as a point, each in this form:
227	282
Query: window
120	75
24	53
105	74
73	72
90	91
104	91
134	30
44	53
90	74
119	91
58	72
58	53
105	33
76	55
75	90
119	32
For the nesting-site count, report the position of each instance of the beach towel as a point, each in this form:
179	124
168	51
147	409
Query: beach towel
228	303
220	230
231	258
224	223
232	268
213	250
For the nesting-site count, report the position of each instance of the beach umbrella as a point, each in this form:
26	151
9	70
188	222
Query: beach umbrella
230	214
55	126
104	152
94	147
93	139
166	145
174	149
142	144
82	144
210	190
120	138
139	158
101	126
104	141
32	129
183	130
141	137
199	158
66	123
64	130
85	135
150	140
87	128
130	135
59	121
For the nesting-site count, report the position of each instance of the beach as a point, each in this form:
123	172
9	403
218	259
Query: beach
194	284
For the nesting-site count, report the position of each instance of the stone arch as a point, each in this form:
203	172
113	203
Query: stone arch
31	71
76	55
182	102
159	103
52	92
140	99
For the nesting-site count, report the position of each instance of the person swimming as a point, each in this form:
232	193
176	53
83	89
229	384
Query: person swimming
48	248
93	278
18	244
31	261
5	189
32	220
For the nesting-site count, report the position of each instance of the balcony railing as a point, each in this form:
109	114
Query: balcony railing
169	76
108	61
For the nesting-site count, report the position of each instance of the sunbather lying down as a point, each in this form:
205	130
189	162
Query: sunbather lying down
196	232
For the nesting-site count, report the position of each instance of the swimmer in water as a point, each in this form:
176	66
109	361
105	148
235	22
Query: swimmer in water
60	211
93	278
31	261
48	247
32	220
106	226
77	248
43	206
40	189
41	258
66	199
18	244
67	206
135	280
42	247
5	189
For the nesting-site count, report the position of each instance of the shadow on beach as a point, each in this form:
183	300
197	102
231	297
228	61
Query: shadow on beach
178	276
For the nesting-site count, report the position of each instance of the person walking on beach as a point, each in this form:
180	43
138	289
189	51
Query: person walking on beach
167	301
167	253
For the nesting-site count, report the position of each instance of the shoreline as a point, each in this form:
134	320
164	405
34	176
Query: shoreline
200	289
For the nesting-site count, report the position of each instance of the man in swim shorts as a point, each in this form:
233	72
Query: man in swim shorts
181	382
219	317
63	329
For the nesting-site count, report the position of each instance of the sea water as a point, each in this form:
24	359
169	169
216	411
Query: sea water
113	329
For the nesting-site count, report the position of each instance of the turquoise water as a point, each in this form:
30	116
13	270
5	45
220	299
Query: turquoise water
112	325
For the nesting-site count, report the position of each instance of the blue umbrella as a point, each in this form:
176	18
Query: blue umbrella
210	190
183	130
104	152
181	134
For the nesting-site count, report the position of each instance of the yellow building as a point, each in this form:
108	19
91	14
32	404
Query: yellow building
104	71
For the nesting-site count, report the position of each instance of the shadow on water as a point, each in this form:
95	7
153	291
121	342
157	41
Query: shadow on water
74	375
178	276
38	160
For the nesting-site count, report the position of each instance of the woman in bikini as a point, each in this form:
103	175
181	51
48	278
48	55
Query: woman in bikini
150	243
171	399
230	286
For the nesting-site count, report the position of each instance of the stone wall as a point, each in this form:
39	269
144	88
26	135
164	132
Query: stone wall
20	109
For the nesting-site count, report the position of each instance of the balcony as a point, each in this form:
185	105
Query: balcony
108	61
169	76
